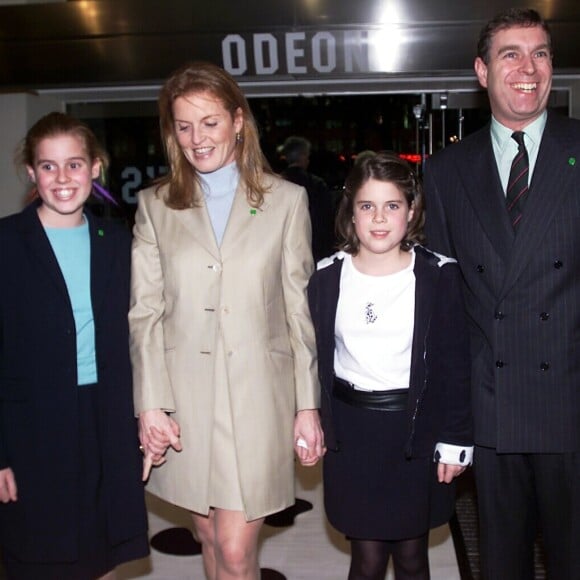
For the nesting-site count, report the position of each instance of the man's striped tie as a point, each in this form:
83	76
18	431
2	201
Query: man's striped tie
517	188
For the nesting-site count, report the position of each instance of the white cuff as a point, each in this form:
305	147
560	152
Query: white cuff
453	454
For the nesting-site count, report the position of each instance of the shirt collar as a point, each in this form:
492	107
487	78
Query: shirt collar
501	135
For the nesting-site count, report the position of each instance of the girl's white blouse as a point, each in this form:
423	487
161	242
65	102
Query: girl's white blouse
374	328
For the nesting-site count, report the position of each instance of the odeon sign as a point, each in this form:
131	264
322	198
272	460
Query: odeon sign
307	52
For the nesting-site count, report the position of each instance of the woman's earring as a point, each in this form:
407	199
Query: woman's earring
239	138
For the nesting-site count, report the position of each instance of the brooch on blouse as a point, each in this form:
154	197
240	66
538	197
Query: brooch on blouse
370	314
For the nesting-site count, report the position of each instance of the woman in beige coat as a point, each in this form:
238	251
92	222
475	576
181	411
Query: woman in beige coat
221	338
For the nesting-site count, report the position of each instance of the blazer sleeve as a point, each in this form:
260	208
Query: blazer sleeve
151	384
451	355
297	267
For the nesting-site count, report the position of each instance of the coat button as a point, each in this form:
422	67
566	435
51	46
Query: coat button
499	364
544	316
480	268
544	366
558	264
499	315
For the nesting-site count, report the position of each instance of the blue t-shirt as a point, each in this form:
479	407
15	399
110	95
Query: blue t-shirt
72	247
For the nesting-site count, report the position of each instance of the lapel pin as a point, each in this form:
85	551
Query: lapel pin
572	161
253	211
100	232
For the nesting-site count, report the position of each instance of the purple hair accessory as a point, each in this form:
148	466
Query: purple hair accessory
102	193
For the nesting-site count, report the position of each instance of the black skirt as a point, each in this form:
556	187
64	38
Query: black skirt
96	555
371	490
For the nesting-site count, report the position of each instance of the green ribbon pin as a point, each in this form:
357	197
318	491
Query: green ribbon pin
572	161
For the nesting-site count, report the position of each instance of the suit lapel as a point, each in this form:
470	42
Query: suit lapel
478	173
550	184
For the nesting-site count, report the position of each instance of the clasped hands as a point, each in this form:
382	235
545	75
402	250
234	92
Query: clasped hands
157	433
308	437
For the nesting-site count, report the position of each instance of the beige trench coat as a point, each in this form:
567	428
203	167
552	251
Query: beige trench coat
252	290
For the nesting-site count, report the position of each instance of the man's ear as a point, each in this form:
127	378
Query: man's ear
481	71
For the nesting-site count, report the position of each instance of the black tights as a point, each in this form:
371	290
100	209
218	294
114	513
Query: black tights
369	559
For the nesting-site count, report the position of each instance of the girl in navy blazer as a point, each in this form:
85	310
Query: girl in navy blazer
394	367
72	502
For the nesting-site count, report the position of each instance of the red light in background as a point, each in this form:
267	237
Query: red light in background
411	157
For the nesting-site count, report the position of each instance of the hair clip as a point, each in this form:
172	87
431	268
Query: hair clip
102	193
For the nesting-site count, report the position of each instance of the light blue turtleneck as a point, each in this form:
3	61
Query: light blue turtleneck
219	188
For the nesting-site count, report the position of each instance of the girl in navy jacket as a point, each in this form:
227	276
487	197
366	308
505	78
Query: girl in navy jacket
394	367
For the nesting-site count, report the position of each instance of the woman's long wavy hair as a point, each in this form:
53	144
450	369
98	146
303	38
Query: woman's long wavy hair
199	77
382	166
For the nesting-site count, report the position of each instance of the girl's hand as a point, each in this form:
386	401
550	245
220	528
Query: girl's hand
8	489
446	473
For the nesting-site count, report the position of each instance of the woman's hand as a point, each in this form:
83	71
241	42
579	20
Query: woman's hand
8	489
157	432
308	437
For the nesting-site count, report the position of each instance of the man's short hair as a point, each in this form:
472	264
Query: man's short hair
512	18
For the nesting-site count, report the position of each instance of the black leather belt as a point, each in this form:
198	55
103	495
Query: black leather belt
391	400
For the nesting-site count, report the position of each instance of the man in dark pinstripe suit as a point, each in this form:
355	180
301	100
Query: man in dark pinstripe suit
522	288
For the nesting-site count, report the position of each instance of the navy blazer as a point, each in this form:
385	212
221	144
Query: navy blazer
38	390
439	401
522	289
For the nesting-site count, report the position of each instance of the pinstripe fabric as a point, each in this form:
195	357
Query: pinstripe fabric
522	292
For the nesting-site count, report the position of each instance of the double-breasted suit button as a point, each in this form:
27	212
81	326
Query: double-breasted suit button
499	315
558	264
544	316
480	268
544	366
499	364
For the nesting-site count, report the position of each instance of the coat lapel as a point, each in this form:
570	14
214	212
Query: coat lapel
102	258
37	240
425	281
241	220
197	221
